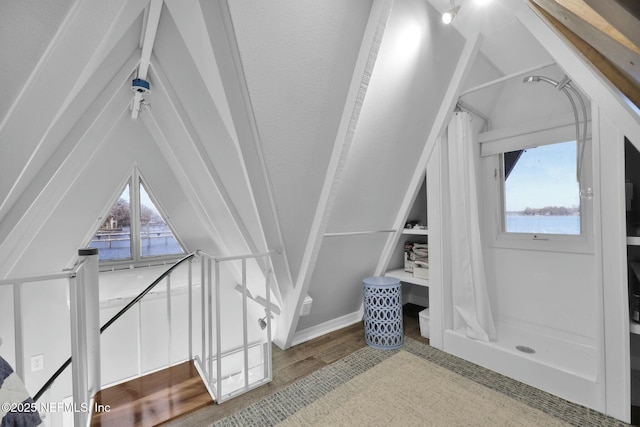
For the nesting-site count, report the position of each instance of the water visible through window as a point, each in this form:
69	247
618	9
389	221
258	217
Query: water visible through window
156	237
113	238
541	193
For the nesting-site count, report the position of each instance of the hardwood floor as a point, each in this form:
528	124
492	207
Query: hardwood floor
166	395
152	399
304	359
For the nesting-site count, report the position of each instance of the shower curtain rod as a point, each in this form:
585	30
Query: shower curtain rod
461	105
508	77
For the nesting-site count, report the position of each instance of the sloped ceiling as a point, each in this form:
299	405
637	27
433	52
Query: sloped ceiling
606	33
284	125
67	138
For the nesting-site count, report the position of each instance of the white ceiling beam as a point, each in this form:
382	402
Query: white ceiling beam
217	17
597	86
191	163
620	113
161	83
507	77
447	104
183	177
51	184
365	62
127	17
189	20
46	89
150	29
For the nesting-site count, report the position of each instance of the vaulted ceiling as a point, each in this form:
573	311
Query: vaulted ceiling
606	33
296	126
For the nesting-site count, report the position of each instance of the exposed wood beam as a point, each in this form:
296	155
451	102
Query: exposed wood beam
590	27
624	15
628	87
586	13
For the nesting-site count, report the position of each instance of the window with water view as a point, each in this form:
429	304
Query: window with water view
123	237
541	193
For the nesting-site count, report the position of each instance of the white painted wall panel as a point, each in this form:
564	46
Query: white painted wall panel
202	114
522	104
70	225
550	290
298	58
417	54
336	287
26	28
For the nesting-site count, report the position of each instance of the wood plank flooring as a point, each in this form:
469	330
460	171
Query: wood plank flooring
304	359
152	399
169	394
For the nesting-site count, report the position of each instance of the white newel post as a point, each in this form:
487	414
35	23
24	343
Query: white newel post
85	333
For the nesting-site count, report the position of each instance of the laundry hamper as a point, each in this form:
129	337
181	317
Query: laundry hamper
383	326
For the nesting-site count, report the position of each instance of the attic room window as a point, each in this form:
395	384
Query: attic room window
540	190
531	195
134	229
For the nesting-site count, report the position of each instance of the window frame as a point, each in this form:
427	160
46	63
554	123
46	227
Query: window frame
134	180
493	146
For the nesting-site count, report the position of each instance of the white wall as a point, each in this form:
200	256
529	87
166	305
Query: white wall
298	58
549	290
417	53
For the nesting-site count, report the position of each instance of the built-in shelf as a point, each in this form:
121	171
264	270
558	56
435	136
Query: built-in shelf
633	240
416	231
407	277
634	328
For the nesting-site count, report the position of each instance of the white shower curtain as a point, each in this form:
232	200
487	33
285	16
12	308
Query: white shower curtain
472	311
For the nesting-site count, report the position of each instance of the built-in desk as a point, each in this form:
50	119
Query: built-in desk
407	277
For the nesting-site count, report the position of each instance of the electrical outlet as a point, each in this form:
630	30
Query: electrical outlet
37	363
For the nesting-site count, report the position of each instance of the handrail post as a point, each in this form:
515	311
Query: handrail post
168	279
245	339
85	332
18	328
203	330
267	286
218	332
190	308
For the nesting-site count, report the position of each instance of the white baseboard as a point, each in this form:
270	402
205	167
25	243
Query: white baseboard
326	327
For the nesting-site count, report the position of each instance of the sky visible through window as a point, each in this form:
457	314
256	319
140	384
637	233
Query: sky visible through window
544	176
542	194
155	236
115	241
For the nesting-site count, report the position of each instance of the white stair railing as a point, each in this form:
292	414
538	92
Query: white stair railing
256	356
228	368
84	329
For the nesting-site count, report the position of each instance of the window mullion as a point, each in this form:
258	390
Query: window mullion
135	216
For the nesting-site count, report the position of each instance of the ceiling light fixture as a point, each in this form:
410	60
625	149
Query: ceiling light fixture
448	16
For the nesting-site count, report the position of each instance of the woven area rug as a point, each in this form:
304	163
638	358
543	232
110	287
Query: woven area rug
408	390
418	385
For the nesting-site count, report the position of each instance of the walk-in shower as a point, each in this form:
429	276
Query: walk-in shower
564	86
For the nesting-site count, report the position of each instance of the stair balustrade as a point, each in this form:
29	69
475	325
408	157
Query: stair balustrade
232	356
